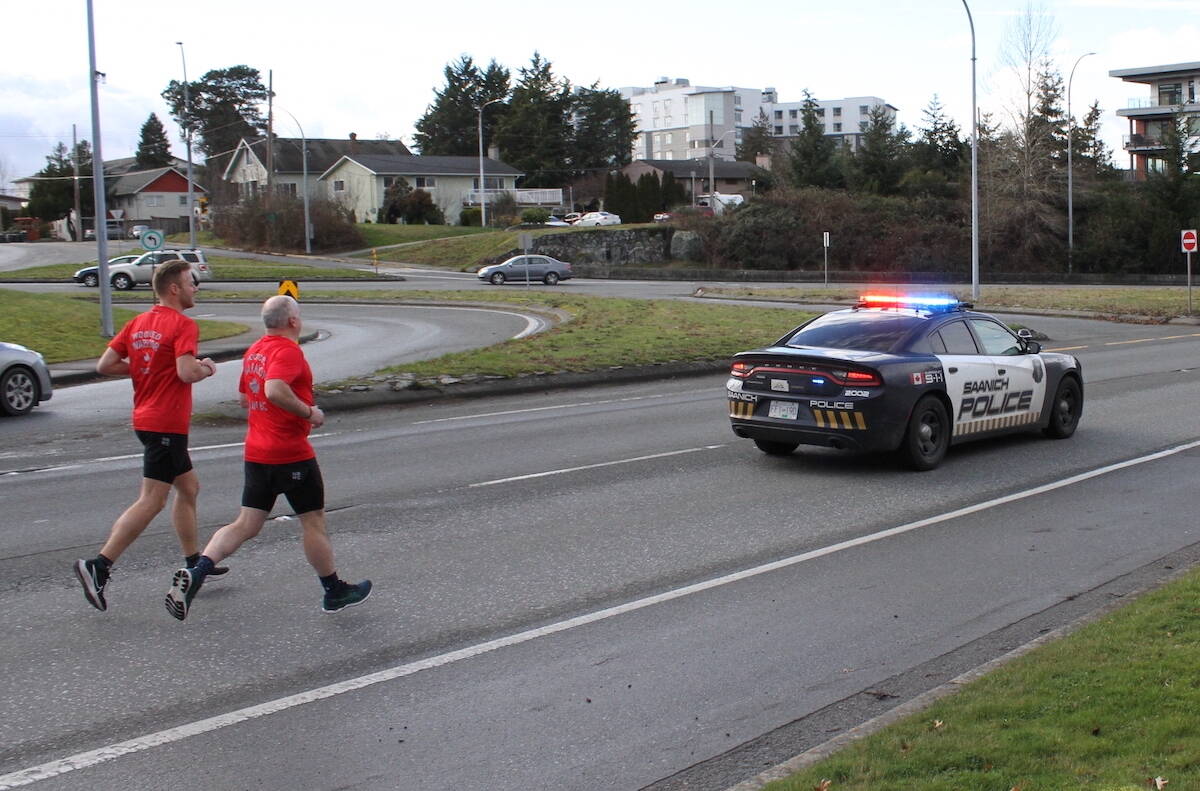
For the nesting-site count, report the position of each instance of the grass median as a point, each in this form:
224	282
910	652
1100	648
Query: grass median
1152	302
223	268
1112	706
67	328
465	253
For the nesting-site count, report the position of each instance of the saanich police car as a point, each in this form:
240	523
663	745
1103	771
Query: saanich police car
909	374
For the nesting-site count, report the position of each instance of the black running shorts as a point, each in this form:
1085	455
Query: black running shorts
165	457
300	482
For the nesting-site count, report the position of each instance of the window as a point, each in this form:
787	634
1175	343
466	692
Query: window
863	109
489	183
862	126
837	112
793	129
154	200
737	116
820	111
286	189
876	332
388	181
1170	93
183	200
339	186
425	182
669	138
737	100
778	130
995	338
837	126
793	113
779	115
957	338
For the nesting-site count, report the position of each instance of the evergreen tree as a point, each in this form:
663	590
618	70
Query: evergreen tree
881	157
602	129
154	150
450	125
673	193
757	140
535	134
649	198
939	148
1090	154
53	194
223	107
812	154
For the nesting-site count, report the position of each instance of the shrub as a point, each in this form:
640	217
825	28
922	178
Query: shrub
279	225
471	217
503	210
535	216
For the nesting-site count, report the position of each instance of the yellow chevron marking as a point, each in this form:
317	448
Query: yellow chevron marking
858	418
819	417
846	420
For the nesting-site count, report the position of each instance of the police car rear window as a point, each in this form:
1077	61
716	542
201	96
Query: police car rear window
861	330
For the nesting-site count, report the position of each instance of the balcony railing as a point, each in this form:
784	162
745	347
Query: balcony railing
1141	142
541	197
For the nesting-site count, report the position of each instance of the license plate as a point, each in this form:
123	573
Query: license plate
788	410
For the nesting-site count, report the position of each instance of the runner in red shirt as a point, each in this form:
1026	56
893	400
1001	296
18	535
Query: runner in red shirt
157	350
277	391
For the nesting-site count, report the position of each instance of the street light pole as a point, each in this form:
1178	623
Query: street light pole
974	168
1071	171
187	136
304	165
100	222
482	190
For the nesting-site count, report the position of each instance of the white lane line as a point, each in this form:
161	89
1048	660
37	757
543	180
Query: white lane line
127	456
539	409
84	760
565	470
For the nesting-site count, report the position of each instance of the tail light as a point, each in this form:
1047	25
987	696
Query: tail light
741	369
863	378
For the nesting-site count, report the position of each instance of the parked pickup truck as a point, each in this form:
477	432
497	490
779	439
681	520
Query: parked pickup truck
126	275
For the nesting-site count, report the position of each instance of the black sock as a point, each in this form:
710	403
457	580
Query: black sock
103	568
330	582
190	560
103	562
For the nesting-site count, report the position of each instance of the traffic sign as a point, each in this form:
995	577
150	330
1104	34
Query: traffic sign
290	288
1187	240
152	240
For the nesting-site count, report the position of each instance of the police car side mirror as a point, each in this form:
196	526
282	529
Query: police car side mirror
1032	347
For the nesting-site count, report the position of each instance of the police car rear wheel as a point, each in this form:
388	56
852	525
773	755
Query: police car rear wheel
776	448
928	435
1065	411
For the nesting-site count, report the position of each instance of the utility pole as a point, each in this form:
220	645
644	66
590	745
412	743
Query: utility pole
101	223
270	133
712	147
75	169
187	136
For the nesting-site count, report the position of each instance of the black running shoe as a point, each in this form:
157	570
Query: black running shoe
346	595
217	571
184	587
93	580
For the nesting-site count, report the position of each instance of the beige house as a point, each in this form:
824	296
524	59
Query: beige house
358	182
730	177
247	168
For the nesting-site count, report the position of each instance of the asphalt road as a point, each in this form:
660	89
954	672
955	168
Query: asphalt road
572	588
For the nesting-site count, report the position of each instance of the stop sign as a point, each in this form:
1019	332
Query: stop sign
1188	241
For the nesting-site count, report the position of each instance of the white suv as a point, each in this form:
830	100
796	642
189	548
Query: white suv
141	270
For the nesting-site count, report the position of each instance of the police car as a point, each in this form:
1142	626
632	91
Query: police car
907	374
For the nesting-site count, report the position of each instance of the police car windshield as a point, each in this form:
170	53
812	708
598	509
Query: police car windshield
872	331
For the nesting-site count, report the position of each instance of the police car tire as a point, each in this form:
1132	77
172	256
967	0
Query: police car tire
776	448
1065	409
927	436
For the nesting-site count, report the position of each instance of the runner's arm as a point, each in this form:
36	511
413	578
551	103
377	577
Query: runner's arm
112	364
280	394
190	370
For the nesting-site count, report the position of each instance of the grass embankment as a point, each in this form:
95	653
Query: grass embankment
68	328
377	235
1161	302
466	253
223	268
1112	706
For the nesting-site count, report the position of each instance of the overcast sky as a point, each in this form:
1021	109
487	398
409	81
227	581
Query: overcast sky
371	66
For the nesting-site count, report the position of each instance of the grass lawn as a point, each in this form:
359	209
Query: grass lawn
1155	301
223	267
68	328
381	235
465	253
1112	706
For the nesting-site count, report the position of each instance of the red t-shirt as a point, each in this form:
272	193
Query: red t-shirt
274	436
152	342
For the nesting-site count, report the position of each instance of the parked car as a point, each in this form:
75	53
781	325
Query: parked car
90	275
571	217
115	231
137	230
24	379
663	216
599	218
128	274
526	269
556	221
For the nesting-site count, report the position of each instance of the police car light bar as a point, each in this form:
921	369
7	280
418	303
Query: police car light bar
927	303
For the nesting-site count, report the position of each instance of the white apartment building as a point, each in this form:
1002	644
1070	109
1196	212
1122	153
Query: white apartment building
673	118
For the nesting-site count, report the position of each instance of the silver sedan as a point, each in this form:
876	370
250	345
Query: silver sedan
24	379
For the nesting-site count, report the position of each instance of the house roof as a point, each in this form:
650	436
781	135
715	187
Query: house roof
287	155
131	183
684	168
412	165
1151	73
119	167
